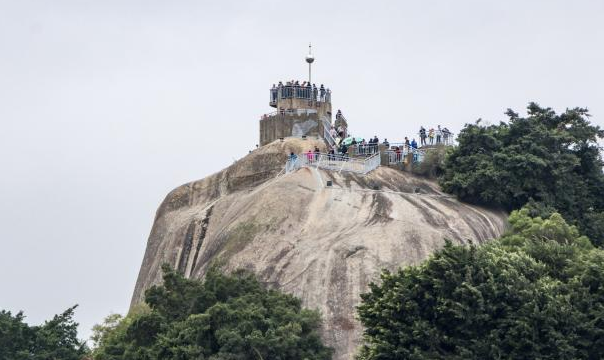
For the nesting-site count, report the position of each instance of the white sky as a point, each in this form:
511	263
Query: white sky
105	106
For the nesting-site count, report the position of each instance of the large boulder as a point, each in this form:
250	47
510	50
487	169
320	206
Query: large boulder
324	244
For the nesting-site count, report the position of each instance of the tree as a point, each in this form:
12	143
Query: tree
433	164
538	292
550	159
55	339
221	317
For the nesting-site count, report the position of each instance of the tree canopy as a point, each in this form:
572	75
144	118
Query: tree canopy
56	339
549	160
536	293
222	317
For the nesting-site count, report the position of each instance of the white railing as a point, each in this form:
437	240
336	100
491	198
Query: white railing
290	112
400	156
326	131
364	149
372	162
299	92
439	137
333	162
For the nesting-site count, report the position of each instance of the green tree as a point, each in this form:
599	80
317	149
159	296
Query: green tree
550	159
56	339
433	164
536	293
222	317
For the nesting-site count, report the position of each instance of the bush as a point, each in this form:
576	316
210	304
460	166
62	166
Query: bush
222	317
536	293
55	339
552	159
433	164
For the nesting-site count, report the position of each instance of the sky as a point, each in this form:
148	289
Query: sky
105	106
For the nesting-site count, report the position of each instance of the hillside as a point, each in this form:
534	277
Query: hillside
323	244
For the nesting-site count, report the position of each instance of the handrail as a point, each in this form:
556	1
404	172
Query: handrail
334	162
400	156
290	112
326	131
440	137
299	92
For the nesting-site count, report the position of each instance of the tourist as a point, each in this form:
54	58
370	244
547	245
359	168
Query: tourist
322	92
431	136
376	142
317	152
293	157
407	144
343	149
309	156
314	92
438	134
422	135
446	135
386	144
413	144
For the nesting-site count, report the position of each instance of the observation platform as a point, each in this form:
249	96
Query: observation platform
302	110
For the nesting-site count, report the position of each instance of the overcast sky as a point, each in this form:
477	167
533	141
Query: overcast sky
105	106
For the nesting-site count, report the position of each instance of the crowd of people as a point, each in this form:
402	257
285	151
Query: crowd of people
347	145
304	90
442	135
432	136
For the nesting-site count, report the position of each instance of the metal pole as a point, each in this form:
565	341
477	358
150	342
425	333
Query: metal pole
309	60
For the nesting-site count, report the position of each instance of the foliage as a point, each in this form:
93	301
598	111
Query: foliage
223	317
55	339
433	164
536	293
101	331
551	159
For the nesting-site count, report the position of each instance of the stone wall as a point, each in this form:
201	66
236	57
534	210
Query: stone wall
277	126
322	107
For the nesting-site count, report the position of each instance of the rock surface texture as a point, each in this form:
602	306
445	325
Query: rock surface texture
322	244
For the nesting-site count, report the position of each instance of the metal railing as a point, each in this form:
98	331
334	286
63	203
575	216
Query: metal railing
333	162
364	149
290	112
299	92
326	131
401	155
439	137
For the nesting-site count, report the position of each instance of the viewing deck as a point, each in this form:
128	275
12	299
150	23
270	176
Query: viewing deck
312	94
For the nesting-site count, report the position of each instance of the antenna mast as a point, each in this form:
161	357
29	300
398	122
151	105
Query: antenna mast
309	60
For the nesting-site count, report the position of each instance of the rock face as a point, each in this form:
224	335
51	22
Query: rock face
322	244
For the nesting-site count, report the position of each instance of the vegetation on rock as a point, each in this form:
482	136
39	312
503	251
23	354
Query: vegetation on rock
433	164
535	293
550	160
55	339
222	317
